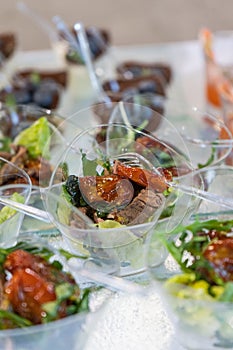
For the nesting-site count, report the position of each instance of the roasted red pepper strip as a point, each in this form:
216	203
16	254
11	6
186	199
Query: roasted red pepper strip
144	177
32	284
27	291
21	259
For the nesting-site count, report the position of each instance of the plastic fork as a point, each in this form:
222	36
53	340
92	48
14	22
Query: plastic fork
67	34
40	214
86	53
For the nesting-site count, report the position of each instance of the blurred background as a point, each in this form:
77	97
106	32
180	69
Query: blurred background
129	22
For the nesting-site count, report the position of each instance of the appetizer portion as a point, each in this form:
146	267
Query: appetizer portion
141	83
201	295
30	151
38	76
123	194
132	69
203	249
35	289
147	91
124	190
99	40
121	175
41	88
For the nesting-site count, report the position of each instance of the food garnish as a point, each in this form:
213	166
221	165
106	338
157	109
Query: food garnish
30	150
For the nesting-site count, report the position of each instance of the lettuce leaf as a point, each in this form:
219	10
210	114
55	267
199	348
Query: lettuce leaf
36	138
7	212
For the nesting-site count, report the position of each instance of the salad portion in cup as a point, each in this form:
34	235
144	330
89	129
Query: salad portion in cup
15	184
116	190
199	295
38	291
32	145
42	300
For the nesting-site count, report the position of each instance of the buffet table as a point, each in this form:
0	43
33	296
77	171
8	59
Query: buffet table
133	322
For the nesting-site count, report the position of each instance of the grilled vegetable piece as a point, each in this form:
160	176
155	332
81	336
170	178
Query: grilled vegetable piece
106	191
144	177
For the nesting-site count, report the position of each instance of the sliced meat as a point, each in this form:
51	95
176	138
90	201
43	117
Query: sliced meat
141	208
18	159
39	170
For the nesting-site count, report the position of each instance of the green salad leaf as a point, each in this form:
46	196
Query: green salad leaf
190	241
6	212
109	224
13	319
210	160
89	166
36	138
95	166
66	291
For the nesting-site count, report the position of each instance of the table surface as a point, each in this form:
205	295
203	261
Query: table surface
130	321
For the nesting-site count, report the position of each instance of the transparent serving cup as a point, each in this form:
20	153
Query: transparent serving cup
15	184
218	180
200	320
72	330
122	247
